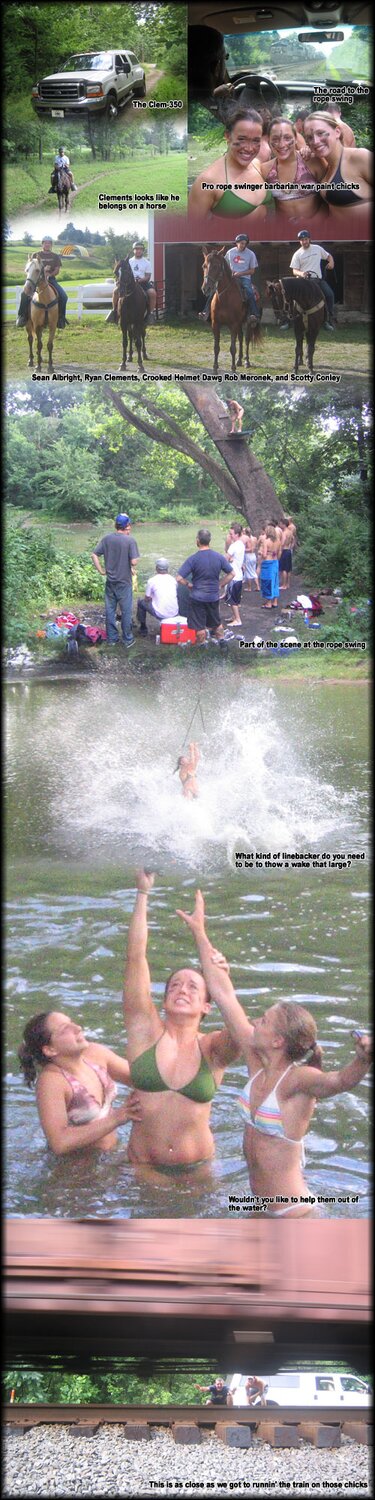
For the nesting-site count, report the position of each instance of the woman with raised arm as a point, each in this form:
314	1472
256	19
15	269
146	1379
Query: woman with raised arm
174	1066
187	768
75	1084
286	1079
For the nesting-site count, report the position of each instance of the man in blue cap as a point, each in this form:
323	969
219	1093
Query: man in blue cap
243	263
120	552
307	261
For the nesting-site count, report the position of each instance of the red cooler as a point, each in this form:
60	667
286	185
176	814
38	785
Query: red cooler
175	635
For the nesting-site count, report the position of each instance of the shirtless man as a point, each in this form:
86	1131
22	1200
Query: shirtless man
250	560
268	565
236	413
174	1065
289	538
186	767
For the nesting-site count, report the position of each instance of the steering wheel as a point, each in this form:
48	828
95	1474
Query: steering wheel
257	81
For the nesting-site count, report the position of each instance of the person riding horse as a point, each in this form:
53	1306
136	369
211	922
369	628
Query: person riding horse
61	164
242	262
142	272
51	263
307	262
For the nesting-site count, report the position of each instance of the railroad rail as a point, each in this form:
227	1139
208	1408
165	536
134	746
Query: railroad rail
236	1426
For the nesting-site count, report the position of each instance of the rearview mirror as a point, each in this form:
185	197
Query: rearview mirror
321	36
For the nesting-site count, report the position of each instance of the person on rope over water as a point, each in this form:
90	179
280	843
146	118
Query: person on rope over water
142	272
242	262
61	163
52	264
186	767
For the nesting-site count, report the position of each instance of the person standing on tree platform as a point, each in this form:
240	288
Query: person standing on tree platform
236	413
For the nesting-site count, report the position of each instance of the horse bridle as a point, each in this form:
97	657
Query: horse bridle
291	303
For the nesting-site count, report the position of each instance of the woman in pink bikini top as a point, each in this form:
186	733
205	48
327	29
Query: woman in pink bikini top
75	1084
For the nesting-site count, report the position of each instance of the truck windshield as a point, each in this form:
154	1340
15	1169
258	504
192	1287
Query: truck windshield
89	61
286	55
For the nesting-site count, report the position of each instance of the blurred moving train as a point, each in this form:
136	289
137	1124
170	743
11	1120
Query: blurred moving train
272	1291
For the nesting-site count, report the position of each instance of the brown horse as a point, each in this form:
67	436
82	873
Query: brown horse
43	311
228	308
132	312
63	189
301	299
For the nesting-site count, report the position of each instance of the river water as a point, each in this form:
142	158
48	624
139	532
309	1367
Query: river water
90	793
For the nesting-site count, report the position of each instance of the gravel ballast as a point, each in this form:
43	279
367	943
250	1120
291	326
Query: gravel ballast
50	1460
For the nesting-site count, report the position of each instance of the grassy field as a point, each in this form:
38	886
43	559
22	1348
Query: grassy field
28	187
90	344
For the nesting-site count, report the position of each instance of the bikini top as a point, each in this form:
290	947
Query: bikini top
343	196
230	206
267	1116
145	1075
302	175
83	1106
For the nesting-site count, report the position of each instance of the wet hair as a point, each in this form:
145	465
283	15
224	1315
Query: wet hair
299	1030
36	1036
271	533
236	526
322	114
204	537
178	971
301	114
234	114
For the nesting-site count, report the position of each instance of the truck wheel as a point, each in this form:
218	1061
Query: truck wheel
111	109
140	91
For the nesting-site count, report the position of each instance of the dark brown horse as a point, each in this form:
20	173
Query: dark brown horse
228	308
132	312
301	299
63	189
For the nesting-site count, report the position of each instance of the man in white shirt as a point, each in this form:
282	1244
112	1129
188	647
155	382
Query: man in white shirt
160	598
307	261
243	262
142	271
235	553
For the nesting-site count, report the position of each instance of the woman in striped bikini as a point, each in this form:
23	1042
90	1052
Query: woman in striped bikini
286	1078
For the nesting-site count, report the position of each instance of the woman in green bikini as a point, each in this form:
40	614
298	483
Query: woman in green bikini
174	1066
233	187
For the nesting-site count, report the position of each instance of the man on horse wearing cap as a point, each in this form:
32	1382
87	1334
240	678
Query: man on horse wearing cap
52	264
242	263
307	261
142	272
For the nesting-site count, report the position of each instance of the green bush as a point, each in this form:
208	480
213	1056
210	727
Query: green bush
169	87
38	576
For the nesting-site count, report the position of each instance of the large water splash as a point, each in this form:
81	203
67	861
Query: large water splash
104	759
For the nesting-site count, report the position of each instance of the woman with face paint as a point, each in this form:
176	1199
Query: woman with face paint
236	187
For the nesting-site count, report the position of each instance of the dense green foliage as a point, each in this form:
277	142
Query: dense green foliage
127	1381
37	38
39	575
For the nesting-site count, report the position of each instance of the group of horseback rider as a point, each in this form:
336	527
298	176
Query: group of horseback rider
307	261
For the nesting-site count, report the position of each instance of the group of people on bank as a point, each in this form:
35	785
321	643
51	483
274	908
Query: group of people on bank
195	593
174	1068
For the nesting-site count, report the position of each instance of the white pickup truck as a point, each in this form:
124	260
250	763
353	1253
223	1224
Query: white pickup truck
315	1388
94	83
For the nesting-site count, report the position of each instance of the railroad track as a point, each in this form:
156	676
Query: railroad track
235	1426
